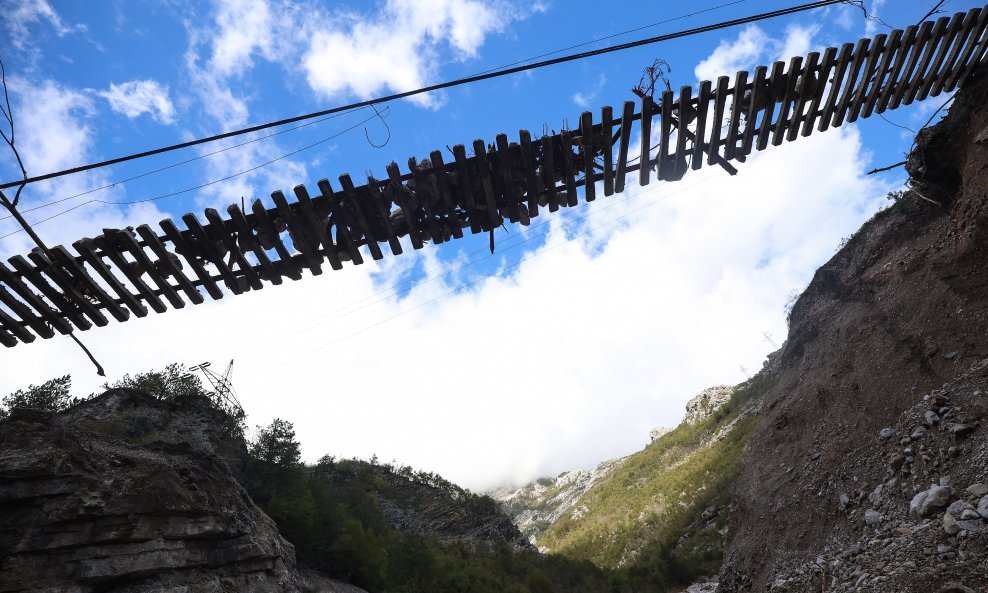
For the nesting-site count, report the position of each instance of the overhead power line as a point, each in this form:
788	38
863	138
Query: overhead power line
435	87
311	123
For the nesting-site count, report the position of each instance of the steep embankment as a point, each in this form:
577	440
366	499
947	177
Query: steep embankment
126	493
880	397
660	513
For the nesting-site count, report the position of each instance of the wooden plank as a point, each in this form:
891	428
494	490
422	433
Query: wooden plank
407	212
442	180
975	43
861	53
807	88
686	111
875	53
840	71
87	249
606	129
423	194
777	87
587	135
52	315
113	252
502	168
137	252
566	143
484	172
376	197
6	338
247	271
879	83
182	247
318	227
977	59
782	122
73	279
737	106
549	171
168	261
14	327
350	195
246	237
645	160
936	66
906	44
298	233
343	236
760	97
826	65
702	106
662	157
63	302
624	144
920	76
35	321
465	182
531	175
717	124
905	75
968	29
203	243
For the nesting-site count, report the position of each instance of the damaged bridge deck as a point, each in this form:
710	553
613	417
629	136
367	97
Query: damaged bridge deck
121	273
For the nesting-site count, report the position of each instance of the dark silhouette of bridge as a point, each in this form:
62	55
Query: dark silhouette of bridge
126	272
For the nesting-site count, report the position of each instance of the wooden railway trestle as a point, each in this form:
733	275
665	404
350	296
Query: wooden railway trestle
125	272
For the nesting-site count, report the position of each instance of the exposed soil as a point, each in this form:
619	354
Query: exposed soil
901	312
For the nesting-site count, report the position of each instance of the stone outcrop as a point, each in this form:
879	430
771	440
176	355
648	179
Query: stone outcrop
125	493
536	506
706	403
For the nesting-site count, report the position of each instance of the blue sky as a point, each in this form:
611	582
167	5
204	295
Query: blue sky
560	351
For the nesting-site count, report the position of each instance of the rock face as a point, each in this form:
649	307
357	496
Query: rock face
125	493
536	506
890	329
411	506
708	401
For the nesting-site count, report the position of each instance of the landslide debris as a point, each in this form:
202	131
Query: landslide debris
867	469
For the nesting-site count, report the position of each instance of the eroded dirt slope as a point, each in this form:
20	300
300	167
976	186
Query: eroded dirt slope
893	327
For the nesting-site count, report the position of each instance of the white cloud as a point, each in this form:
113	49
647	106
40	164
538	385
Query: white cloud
398	49
53	133
20	16
732	56
752	47
136	97
563	361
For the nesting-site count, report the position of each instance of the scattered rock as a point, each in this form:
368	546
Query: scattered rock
918	432
885	433
978	489
931	418
930	501
960	430
872	517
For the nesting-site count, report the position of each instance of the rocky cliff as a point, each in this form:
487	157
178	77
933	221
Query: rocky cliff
125	493
867	468
438	510
671	499
536	506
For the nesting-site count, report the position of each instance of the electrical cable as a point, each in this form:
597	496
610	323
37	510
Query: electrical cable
173	165
528	59
435	87
200	186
